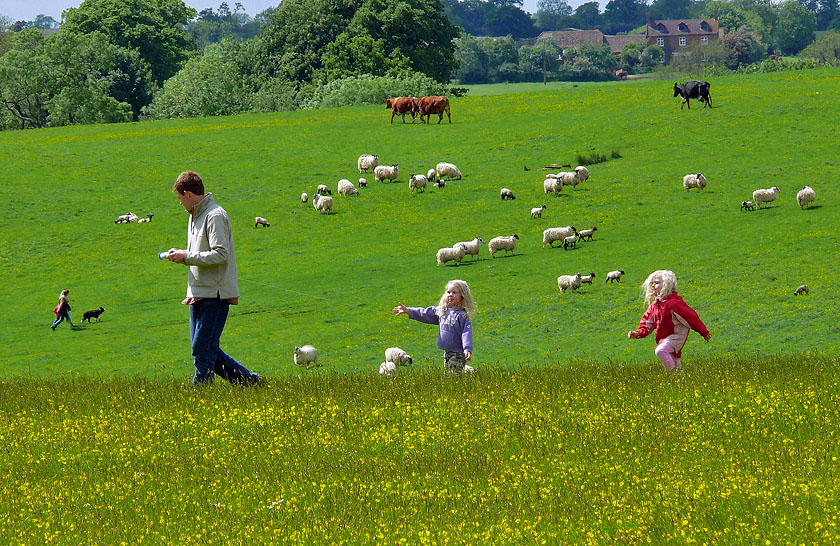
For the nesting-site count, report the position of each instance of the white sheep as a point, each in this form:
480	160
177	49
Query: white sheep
502	243
397	356
747	205
367	162
430	174
765	196
694	181
363	183
322	203
304	197
345	188
260	221
801	291
417	182
614	276
387	368
507	194
323	190
127	218
568	282
145	220
386	172
552	185
568	178
306	356
570	241
557	234
450	254
447	170
588	278
582	172
439	183
471	247
806	196
536	212
587	233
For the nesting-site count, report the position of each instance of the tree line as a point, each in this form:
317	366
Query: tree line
114	60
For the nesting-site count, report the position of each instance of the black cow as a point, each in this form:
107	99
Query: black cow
694	89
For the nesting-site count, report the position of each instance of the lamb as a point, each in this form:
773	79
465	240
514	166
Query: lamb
304	197
801	291
397	356
471	247
453	254
536	212
765	196
260	221
806	196
582	172
417	182
507	194
694	181
323	204
570	241
614	276
447	170
323	190
568	282
502	243
387	368
588	278
345	188
145	220
306	356
587	233
439	184
552	185
747	205
384	172
468	369
363	183
557	234
367	162
127	218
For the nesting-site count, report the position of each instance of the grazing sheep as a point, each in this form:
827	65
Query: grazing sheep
430	174
471	247
747	205
801	291
586	234
570	241
568	178
387	368
694	181
450	254
557	234
363	183
304	197
552	185
502	243
582	172
765	196
145	220
322	204
806	196
507	194
568	282
536	212
588	278
614	276
447	170
306	356
323	190
417	182
397	356
385	172
439	184
345	188
260	221
367	162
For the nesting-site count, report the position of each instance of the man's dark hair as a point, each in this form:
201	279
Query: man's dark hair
188	181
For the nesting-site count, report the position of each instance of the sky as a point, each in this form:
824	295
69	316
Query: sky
26	10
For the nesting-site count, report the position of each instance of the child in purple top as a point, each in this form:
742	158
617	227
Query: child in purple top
452	315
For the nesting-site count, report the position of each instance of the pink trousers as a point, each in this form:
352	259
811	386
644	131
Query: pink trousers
666	352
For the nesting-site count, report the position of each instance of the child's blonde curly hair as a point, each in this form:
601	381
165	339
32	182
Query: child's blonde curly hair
669	284
467	302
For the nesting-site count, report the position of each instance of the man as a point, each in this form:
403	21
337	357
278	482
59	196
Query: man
212	282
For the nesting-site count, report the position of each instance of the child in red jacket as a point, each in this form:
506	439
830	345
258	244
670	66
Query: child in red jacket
670	316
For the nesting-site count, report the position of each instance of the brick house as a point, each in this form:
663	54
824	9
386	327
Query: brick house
575	38
674	36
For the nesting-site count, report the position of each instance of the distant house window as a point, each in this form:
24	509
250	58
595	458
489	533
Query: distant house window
705	26
661	28
705	40
660	42
682	41
683	27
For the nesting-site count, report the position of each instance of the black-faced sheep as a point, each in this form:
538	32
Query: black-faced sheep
806	196
557	234
568	282
536	212
502	243
260	221
614	276
694	181
386	172
507	194
747	205
765	196
801	291
586	234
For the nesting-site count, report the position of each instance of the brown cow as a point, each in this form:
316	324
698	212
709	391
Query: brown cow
402	106
427	106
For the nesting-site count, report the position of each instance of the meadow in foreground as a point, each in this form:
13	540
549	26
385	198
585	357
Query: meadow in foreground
733	451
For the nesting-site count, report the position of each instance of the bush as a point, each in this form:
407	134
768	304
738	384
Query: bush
367	89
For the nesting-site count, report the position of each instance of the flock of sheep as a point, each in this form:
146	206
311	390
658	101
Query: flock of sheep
804	198
131	218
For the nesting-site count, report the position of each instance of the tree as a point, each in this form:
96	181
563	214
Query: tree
828	12
599	57
825	49
587	16
354	55
631	55
794	29
512	20
672	9
472	61
552	14
467	14
742	47
155	28
623	15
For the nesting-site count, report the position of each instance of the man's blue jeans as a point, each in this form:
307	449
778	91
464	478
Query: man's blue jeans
207	321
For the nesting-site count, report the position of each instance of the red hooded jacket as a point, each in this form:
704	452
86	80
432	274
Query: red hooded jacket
658	316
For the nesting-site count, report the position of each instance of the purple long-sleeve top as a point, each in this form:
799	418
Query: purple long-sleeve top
454	327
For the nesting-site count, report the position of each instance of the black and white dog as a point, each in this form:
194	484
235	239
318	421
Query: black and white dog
92	314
